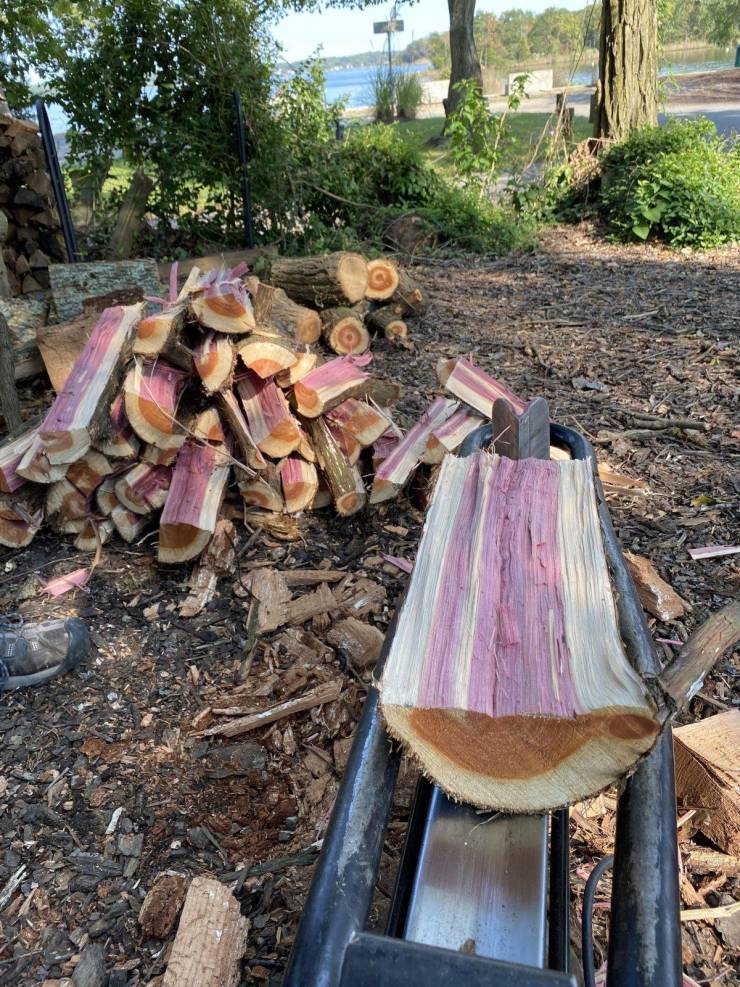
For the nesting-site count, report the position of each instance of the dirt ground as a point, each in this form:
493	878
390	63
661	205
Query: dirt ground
604	333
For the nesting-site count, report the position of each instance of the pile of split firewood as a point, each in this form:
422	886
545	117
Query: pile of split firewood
159	412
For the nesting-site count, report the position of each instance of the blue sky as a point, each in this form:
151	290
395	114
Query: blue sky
345	32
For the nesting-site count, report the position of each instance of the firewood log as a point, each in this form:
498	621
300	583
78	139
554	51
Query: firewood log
409	298
273	308
224	305
305	362
207	427
144	488
35	464
128	524
106	500
359	419
474	386
507	677
393	473
384	446
190	514
327	386
300	483
93	534
267	354
66	500
449	436
387	321
12	452
21	516
346	442
88	472
322	497
118	439
152	393
162	457
322	282
382	279
343	331
271	424
306	449
214	359
233	415
156	332
345	481
263	491
80	410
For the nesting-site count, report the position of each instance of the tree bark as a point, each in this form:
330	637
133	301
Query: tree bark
464	60
627	94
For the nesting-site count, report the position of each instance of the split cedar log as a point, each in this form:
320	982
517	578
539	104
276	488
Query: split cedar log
267	354
231	410
474	386
382	279
507	676
93	534
305	449
300	482
707	757
345	481
207	427
211	938
683	678
224	305
21	516
89	471
12	452
346	443
66	500
328	385
387	321
358	418
191	511
35	464
128	525
156	332
105	496
263	491
118	439
344	332
324	281
160	457
393	473
80	410
384	446
152	393
144	488
305	362
272	307
323	497
214	358
271	424
450	435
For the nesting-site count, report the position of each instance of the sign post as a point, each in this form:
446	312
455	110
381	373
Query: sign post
390	27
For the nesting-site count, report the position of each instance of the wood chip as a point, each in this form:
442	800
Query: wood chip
325	693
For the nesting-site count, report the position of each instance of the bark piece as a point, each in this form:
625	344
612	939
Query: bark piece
152	393
211	938
393	473
269	588
449	436
161	907
388	322
707	757
656	596
344	332
683	678
382	279
144	488
507	677
326	693
271	424
217	560
272	307
358	643
190	514
21	516
310	577
233	415
300	483
80	410
329	385
73	285
474	386
223	304
267	354
361	420
324	281
345	481
214	360
157	332
311	605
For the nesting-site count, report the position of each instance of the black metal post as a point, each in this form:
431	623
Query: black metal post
558	946
57	182
246	188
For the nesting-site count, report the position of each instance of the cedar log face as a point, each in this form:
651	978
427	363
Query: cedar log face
507	677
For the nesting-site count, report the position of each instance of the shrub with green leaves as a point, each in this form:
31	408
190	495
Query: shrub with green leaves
679	183
409	94
383	95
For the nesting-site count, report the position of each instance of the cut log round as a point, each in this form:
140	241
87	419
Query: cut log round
344	331
224	306
21	515
387	321
160	457
263	491
105	496
128	525
327	386
144	488
64	499
88	472
345	481
35	464
155	333
322	282
190	514
300	483
382	279
409	298
152	392
273	308
305	362
359	419
214	358
323	497
267	355
507	677
271	424
93	534
208	428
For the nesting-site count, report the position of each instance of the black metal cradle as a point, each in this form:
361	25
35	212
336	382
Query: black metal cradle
333	947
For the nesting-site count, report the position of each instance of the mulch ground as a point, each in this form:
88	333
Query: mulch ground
103	784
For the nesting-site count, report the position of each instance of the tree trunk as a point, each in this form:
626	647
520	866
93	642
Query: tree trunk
130	214
463	54
627	95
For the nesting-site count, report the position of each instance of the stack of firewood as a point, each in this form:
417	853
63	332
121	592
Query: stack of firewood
33	236
160	412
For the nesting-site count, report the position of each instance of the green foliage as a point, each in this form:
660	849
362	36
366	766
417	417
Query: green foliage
679	183
383	95
26	38
409	94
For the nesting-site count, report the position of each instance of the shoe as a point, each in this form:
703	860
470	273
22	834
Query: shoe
34	653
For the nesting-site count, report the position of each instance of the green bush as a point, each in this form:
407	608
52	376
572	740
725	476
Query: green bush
679	183
383	95
409	94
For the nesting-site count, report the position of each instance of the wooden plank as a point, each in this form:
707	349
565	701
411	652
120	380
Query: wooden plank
211	938
72	284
